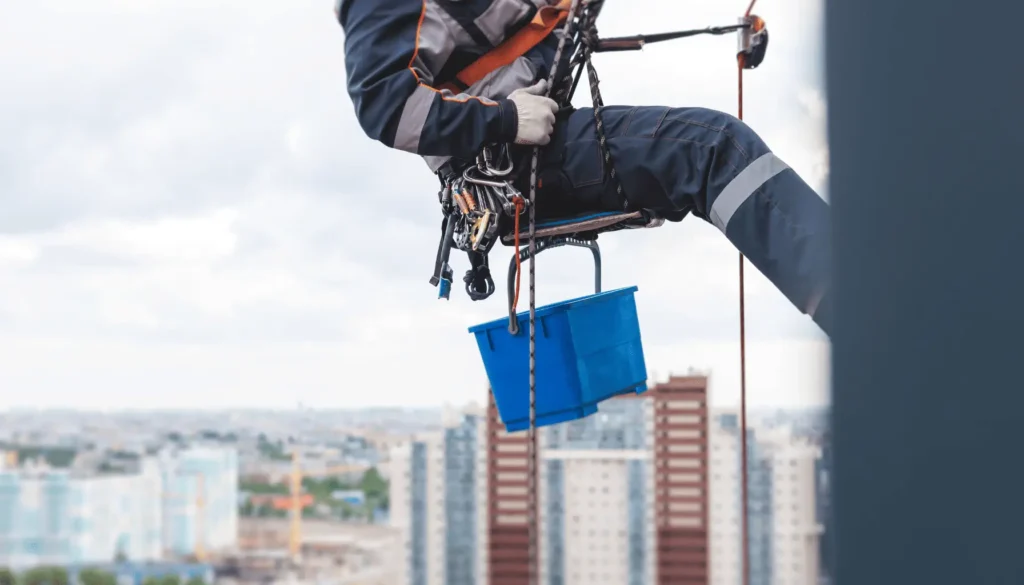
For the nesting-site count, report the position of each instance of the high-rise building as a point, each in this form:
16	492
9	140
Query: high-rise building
437	501
622	493
796	550
725	513
166	504
645	491
823	489
783	530
200	500
60	517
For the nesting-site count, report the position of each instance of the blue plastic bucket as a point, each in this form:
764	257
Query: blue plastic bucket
588	350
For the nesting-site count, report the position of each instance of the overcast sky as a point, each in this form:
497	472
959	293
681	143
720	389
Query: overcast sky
190	215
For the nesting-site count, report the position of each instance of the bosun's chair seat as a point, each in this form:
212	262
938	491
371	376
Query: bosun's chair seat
587	224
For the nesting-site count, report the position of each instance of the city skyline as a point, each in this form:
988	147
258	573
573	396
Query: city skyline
645	491
630	491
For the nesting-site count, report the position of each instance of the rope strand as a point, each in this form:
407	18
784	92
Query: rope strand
519	263
532	530
745	538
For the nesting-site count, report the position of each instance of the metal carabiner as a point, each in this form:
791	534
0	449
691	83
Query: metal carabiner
466	175
485	162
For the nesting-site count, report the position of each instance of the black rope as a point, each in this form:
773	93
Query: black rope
532	503
588	43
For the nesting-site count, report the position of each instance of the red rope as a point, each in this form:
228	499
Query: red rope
519	266
745	536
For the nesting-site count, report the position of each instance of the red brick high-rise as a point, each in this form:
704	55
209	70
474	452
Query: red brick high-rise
668	471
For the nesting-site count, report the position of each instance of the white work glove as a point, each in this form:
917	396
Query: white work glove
536	114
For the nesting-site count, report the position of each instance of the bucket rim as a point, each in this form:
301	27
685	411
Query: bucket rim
546	310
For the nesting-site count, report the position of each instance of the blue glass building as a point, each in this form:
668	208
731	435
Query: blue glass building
56	517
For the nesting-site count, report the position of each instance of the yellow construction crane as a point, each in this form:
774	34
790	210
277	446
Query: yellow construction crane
200	548
295	534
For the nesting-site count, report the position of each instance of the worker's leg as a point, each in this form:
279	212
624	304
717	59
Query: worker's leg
679	160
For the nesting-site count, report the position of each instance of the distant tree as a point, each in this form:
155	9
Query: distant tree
34	576
151	580
58	576
333	484
89	576
7	576
45	576
170	579
196	580
345	510
263	488
92	576
373	484
59	457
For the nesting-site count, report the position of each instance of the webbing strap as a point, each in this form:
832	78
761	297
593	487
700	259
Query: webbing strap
543	24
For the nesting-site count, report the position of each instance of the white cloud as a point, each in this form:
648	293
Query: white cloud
193	217
201	239
16	252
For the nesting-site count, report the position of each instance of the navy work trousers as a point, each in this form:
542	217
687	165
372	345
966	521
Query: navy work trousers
678	161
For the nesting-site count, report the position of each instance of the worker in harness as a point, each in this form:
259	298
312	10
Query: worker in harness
443	79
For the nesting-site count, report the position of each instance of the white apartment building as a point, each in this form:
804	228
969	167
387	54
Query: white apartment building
437	501
171	503
57	517
784	534
796	546
725	514
200	500
597	498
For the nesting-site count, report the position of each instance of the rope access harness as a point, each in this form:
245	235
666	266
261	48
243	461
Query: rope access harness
473	223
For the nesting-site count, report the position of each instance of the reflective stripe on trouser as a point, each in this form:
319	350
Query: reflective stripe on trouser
676	160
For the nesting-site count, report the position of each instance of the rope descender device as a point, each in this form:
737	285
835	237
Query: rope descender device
753	41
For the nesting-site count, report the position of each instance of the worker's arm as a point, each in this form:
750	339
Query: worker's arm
389	48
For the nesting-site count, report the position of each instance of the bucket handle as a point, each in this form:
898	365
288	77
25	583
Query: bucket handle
540	246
